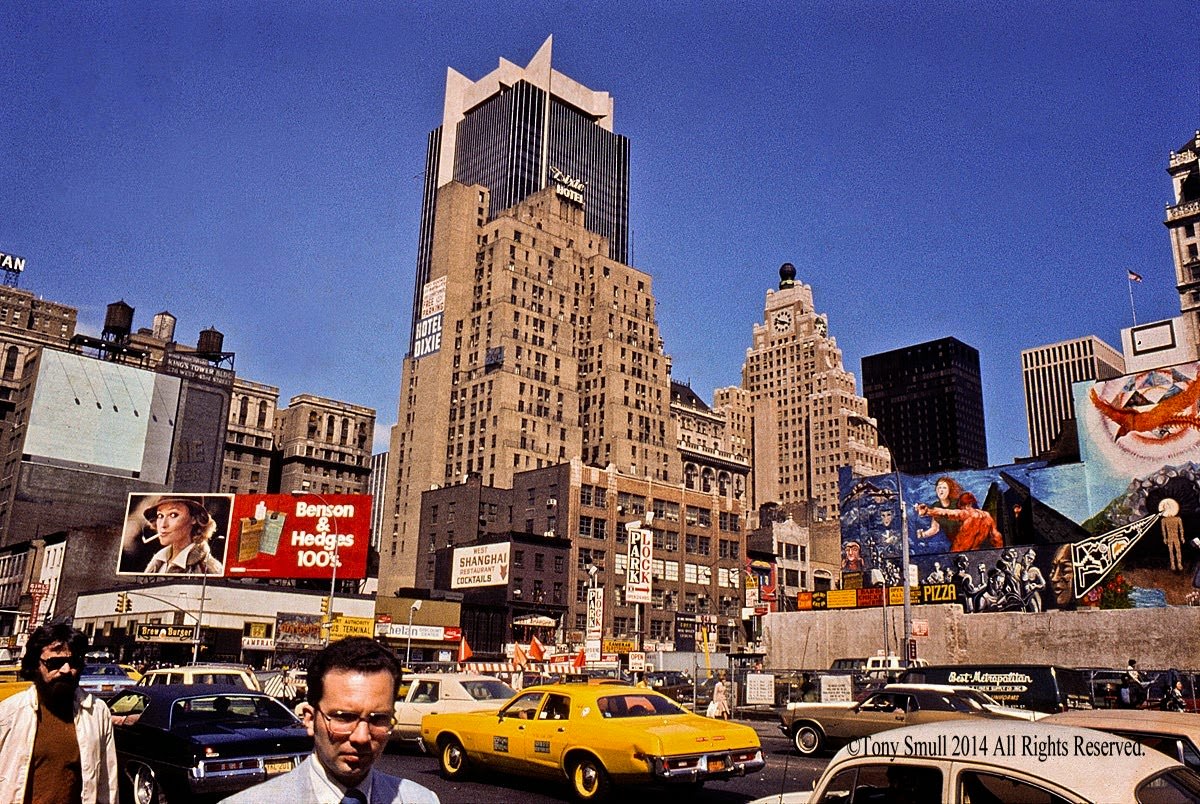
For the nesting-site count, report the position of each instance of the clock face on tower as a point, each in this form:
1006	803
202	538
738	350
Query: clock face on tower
782	321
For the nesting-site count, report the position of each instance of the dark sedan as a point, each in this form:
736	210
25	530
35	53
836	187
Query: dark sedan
177	742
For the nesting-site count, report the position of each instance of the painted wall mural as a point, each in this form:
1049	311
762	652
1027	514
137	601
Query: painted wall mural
1121	527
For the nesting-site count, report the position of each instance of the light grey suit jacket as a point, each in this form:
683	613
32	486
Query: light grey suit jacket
296	788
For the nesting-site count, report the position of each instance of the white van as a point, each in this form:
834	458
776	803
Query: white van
890	667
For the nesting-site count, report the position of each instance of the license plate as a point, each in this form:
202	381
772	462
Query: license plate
716	764
274	766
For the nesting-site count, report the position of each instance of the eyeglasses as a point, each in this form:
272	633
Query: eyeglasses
342	724
55	663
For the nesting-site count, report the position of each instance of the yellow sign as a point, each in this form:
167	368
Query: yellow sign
343	627
841	599
618	646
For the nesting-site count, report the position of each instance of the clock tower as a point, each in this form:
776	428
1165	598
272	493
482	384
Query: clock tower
801	397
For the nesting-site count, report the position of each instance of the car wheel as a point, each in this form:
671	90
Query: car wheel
589	780
145	787
808	739
453	759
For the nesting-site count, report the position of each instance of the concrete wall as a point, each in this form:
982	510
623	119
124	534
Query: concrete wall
1157	638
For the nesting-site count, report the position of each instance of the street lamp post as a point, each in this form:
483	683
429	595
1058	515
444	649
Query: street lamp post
865	422
413	609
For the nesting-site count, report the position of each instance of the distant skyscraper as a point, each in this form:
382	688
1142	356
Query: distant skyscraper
517	131
1047	373
325	446
928	401
1183	221
802	397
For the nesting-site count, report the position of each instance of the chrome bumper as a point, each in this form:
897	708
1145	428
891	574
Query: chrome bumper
698	767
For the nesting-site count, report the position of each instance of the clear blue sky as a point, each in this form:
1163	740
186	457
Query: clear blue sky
987	171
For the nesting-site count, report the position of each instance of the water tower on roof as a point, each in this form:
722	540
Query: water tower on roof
118	322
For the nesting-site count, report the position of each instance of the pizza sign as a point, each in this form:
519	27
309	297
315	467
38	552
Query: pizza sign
637	578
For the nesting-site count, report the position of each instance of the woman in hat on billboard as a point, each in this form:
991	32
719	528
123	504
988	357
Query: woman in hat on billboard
183	527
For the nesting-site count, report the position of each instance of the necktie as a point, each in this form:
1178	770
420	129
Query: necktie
354	796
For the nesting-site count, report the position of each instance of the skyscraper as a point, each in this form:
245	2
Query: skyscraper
1047	373
802	398
1183	221
533	343
517	131
928	401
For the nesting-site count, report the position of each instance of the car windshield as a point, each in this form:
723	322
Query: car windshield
981	698
489	690
637	705
237	710
1174	786
102	670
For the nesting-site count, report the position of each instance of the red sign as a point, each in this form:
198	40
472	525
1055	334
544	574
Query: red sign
299	536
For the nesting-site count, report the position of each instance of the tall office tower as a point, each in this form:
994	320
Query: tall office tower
928	401
1183	221
802	397
377	490
250	438
1047	373
534	347
517	131
325	446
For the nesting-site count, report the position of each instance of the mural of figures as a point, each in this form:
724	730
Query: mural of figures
1054	536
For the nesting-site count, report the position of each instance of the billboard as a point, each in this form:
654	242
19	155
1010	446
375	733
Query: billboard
172	534
294	536
482	565
102	417
246	535
1119	528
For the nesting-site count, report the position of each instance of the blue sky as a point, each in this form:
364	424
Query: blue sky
978	170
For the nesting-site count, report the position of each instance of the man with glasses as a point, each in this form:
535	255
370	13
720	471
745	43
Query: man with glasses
56	741
349	713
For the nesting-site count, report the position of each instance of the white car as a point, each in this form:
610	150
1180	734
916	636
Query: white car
978	761
433	693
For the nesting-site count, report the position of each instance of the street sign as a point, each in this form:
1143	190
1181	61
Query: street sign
638	576
595	615
637	661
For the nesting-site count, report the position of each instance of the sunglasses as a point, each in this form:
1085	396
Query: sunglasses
342	724
57	663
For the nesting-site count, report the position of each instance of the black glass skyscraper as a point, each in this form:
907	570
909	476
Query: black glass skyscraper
515	129
928	400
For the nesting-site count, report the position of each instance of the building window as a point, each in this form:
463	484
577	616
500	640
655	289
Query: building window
519	558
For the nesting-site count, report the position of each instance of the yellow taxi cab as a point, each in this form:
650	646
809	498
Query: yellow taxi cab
10	681
593	736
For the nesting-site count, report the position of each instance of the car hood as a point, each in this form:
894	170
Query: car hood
812	709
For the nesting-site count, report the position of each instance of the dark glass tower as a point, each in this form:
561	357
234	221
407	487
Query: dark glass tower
928	401
512	132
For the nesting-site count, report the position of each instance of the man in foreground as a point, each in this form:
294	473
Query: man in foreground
56	742
349	713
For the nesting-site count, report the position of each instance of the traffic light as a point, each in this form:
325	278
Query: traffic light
123	603
325	606
128	603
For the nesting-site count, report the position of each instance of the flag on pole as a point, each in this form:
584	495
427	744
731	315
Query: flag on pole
580	660
464	649
536	651
519	657
1134	276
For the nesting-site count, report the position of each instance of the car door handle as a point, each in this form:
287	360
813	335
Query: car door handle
561	729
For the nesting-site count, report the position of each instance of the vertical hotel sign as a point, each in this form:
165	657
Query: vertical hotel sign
641	555
429	326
